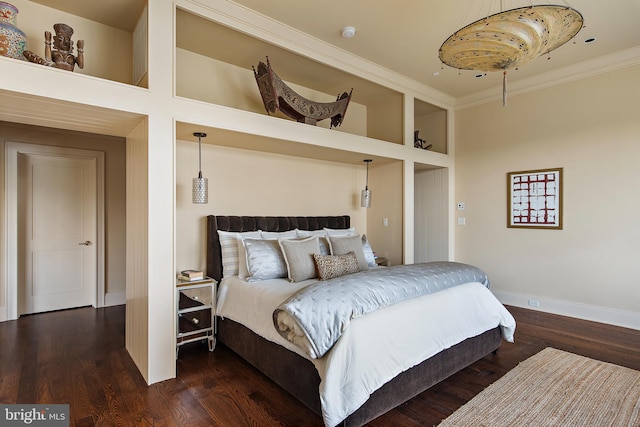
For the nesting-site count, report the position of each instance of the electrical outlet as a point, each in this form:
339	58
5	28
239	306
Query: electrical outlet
534	303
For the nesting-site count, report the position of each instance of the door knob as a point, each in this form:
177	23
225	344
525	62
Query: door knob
87	243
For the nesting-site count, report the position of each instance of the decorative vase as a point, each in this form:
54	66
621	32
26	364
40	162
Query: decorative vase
12	39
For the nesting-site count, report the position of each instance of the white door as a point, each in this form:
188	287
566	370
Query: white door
57	232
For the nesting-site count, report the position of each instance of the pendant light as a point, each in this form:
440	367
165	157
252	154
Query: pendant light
200	188
365	195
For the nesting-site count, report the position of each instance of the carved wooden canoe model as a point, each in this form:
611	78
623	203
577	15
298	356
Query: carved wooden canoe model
276	95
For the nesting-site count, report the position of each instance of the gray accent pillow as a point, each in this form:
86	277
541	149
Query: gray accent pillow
345	244
264	259
330	266
298	256
322	235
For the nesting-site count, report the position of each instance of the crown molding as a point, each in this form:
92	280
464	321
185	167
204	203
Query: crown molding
604	64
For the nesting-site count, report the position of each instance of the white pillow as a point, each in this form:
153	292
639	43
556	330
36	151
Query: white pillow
298	256
331	232
229	250
368	252
243	273
291	234
309	233
264	259
344	244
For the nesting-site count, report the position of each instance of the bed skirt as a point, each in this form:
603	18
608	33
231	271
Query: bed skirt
281	365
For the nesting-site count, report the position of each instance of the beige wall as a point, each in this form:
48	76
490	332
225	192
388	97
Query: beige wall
385	183
244	182
114	149
591	128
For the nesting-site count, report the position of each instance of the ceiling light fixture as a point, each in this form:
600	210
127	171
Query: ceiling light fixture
348	32
511	38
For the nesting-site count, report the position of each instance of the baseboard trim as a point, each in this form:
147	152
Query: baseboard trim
115	298
626	319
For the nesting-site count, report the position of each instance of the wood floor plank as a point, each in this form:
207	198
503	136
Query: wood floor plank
78	357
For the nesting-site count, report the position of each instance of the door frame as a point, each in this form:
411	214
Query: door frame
12	150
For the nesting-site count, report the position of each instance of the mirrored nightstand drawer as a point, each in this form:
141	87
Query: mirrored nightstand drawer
190	298
194	321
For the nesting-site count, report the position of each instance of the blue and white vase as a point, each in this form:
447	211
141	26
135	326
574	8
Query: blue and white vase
12	40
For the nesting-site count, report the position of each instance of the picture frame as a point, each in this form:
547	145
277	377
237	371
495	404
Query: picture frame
534	199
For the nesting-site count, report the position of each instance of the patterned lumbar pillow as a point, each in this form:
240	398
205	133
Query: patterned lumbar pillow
330	266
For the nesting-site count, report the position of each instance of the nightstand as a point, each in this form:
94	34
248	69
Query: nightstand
383	262
196	317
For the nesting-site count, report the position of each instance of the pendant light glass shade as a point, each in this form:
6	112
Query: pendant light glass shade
200	185
365	198
365	195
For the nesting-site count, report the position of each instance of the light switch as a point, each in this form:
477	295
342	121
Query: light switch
460	206
461	221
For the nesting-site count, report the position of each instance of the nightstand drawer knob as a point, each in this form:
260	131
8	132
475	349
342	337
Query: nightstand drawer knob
195	320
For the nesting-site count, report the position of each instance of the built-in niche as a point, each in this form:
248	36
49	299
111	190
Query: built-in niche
431	124
214	65
115	34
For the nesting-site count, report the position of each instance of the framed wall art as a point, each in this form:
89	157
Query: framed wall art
534	199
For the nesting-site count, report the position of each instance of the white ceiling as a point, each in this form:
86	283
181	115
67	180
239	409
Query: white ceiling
404	36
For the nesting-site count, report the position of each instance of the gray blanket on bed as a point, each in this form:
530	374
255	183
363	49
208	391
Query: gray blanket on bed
324	309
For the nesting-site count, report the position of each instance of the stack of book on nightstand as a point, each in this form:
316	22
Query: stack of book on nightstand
191	275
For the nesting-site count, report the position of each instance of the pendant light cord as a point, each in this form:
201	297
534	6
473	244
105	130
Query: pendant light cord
366	185
199	157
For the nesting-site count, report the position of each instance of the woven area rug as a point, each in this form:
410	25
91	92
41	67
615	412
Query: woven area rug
556	388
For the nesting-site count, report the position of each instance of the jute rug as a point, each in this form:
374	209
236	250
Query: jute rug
556	388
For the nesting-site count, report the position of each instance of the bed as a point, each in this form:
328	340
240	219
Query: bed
316	382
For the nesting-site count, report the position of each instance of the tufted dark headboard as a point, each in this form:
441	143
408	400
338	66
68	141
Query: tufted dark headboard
264	223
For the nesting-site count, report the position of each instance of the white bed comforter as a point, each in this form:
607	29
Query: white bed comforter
376	347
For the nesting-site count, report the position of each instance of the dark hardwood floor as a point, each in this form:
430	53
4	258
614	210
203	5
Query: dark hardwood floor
78	357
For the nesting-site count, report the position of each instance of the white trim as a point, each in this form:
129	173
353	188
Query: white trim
115	298
12	149
604	64
612	316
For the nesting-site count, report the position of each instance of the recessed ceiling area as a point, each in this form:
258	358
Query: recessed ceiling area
232	139
40	111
